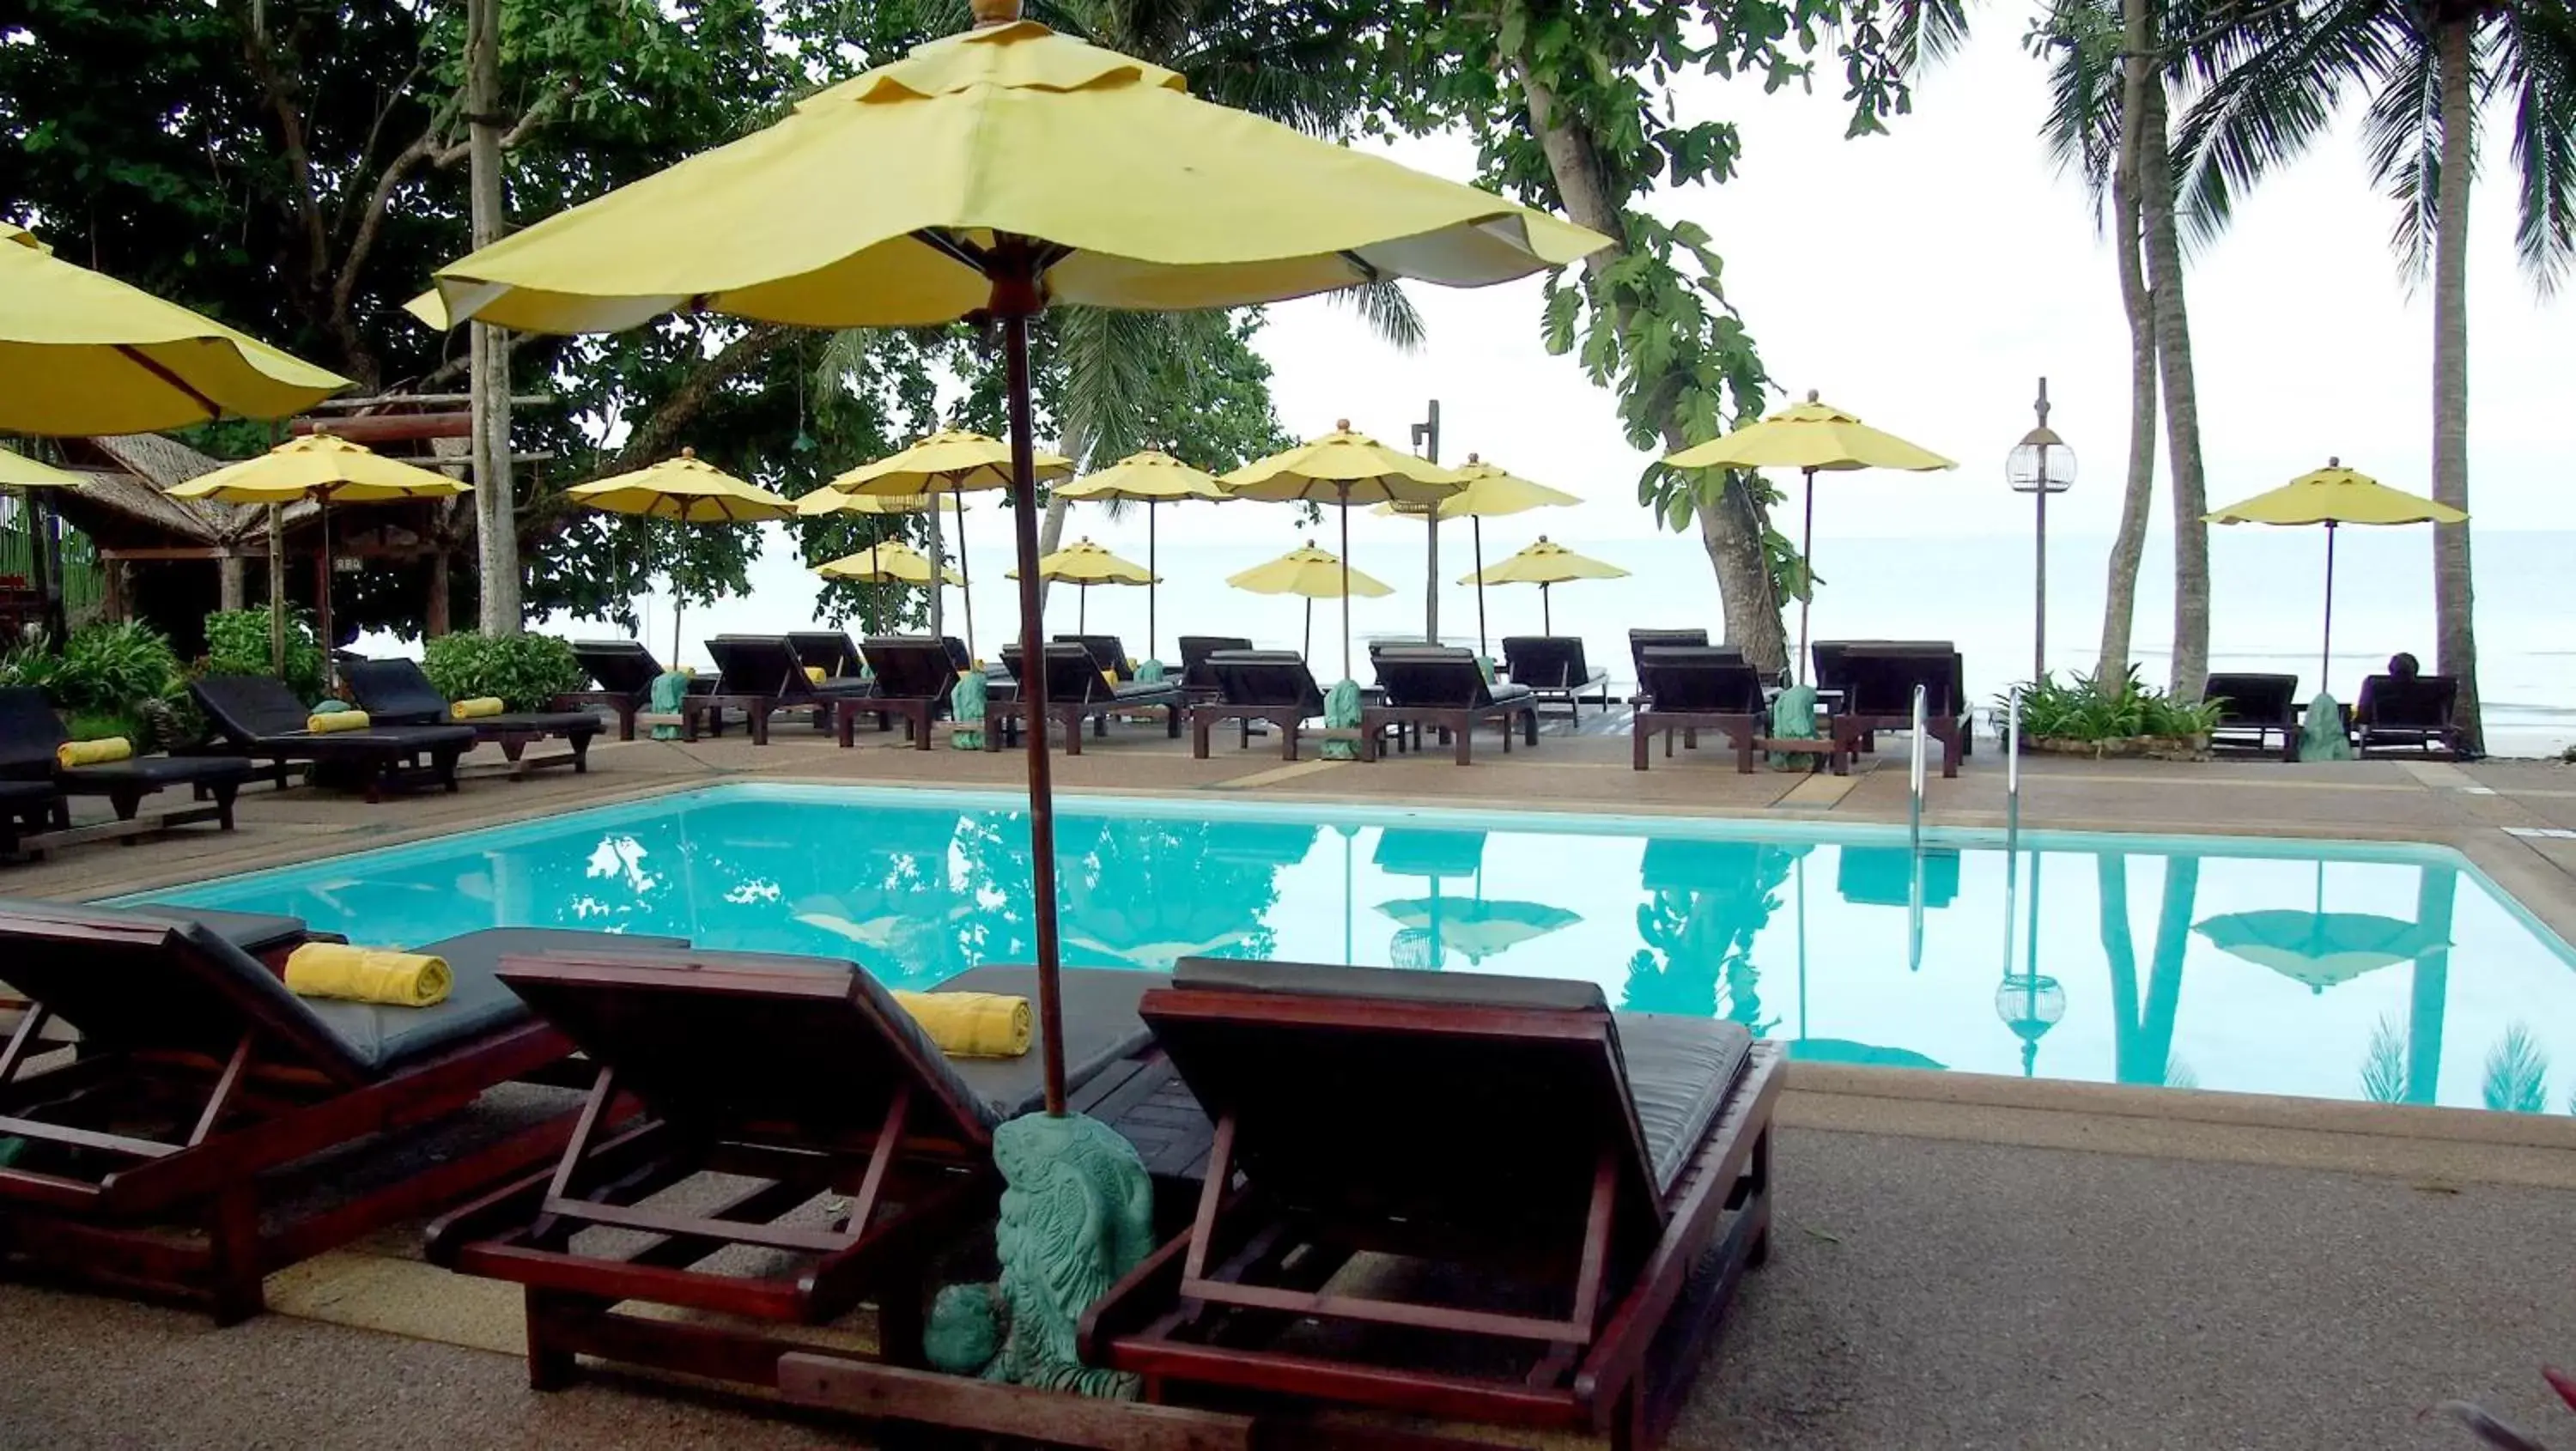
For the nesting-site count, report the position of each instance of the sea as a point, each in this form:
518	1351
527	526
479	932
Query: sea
2266	612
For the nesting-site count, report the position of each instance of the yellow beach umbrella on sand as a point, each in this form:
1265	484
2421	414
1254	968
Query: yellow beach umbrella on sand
1151	478
994	172
328	471
21	472
2335	496
953	462
1083	564
1491	492
1316	574
690	490
1545	564
1343	468
1811	437
82	353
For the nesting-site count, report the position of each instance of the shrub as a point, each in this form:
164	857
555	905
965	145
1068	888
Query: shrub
526	671
2088	710
237	644
112	669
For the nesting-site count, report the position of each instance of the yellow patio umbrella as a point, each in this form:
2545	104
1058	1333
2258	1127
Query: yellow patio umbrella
19	471
828	500
888	561
1083	564
1811	437
686	489
1491	492
1545	564
326	470
994	172
2335	496
953	462
82	353
1151	478
1316	574
1343	468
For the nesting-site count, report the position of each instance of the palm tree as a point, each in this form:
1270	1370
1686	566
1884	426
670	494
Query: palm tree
2111	66
2275	79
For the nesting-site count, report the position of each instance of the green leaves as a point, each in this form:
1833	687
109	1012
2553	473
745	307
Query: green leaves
525	671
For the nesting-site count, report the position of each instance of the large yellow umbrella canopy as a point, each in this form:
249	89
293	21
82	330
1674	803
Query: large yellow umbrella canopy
1343	468
1083	564
1812	437
1151	478
2335	496
1489	491
82	353
690	490
1545	564
326	470
20	471
995	172
1317	574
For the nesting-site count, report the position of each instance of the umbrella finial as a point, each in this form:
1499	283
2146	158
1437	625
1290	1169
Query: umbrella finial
1811	396
2334	461
1471	458
687	452
990	13
1341	425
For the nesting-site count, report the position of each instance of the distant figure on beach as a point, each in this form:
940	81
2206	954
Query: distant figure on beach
2402	666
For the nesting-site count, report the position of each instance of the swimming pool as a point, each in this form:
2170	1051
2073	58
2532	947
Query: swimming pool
2325	970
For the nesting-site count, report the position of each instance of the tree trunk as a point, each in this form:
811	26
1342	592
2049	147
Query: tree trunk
1730	526
231	585
495	511
2181	401
2137	502
2454	631
1050	539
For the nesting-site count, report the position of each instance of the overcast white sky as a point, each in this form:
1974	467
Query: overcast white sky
1926	279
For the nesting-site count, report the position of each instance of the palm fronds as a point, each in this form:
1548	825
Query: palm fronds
2538	67
2383	1065
2517	1073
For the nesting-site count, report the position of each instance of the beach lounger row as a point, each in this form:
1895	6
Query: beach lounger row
2264	713
1862	687
1436	686
1452	1196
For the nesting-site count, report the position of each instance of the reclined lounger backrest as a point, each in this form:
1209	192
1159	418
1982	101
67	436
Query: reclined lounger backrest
2422	702
1879	679
29	731
801	1049
1458	1102
910	667
1266	678
1699	678
1073	674
1195	650
756	665
2251	699
1545	662
829	651
623	666
1640	641
394	690
1438	676
1107	652
247	708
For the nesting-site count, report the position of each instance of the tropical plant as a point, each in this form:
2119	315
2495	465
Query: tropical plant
2091	709
237	643
110	669
2275	79
2517	1073
524	671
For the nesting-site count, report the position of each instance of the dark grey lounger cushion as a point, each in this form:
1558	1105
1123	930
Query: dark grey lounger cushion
155	772
1100	1027
252	932
386	1038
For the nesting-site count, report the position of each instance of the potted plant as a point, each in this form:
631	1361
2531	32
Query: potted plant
2122	718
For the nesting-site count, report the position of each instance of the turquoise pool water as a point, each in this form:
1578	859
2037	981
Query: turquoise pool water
2323	970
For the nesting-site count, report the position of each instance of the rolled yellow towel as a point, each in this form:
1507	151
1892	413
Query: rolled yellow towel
1109	675
973	1025
814	674
93	753
476	707
336	722
367	975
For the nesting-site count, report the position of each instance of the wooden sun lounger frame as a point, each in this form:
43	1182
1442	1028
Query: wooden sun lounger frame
1004	719
117	1229
1619	1362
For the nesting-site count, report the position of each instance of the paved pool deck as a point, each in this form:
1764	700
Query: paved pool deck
1958	1262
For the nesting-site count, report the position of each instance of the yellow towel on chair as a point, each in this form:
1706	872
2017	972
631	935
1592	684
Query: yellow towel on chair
814	674
477	707
367	975
336	722
93	753
972	1025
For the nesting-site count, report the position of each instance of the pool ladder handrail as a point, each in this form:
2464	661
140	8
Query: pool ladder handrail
1915	764
2012	769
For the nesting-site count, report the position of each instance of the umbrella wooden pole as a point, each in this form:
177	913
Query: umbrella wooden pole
1015	298
1477	522
1082	609
277	591
965	577
1309	650
2325	662
1807	564
322	586
1153	583
1346	581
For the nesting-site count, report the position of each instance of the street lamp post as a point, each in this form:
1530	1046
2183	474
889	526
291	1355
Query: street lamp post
1426	441
2040	465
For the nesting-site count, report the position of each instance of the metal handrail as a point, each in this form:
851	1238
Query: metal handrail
2012	769
1916	763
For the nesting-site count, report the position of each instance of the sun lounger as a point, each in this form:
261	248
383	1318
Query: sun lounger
1466	1196
1078	691
29	733
914	675
396	692
2407	713
1107	653
2254	708
1640	641
796	1077
1443	687
624	671
1198	681
1263	685
761	675
258	717
1694	688
830	651
1874	681
198	1074
1554	669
